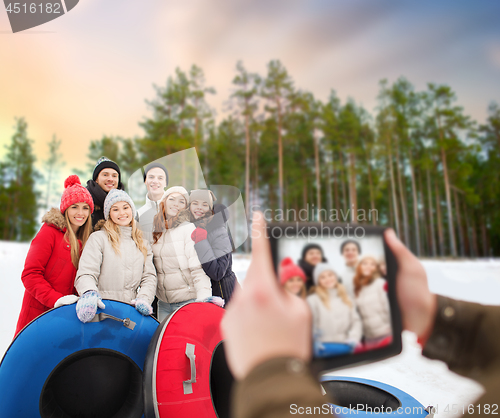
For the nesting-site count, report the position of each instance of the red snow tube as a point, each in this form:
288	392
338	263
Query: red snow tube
185	373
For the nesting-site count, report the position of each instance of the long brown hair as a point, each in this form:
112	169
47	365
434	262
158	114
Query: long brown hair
82	235
325	297
161	223
361	281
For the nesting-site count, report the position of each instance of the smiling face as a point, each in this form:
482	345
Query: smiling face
350	253
78	214
108	179
368	267
121	213
199	208
313	256
174	203
328	279
294	285
156	181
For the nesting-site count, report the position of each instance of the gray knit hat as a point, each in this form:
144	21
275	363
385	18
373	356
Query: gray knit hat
203	194
115	196
320	268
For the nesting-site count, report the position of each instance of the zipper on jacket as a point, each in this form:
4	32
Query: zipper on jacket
220	287
184	277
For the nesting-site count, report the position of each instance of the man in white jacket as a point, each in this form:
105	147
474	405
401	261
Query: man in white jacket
156	180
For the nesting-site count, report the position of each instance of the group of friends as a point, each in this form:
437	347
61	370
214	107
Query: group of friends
350	310
96	246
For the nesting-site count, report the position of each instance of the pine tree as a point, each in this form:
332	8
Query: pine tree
20	210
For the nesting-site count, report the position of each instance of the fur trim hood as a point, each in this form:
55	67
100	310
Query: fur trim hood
55	218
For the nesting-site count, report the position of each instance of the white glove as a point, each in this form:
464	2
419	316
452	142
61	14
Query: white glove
66	300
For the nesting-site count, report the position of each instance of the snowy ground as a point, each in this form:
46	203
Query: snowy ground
430	382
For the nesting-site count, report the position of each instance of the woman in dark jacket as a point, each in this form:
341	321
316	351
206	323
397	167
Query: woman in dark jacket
212	242
312	254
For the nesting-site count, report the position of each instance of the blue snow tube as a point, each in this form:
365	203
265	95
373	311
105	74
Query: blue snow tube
362	398
60	367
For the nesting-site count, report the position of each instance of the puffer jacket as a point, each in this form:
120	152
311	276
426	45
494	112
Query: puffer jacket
373	306
48	270
145	217
215	254
179	271
121	277
340	323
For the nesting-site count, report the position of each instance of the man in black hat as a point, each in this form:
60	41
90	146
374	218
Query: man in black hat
106	176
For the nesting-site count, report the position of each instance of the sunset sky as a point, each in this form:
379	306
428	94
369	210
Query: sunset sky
89	72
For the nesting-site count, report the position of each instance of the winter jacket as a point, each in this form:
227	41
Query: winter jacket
145	217
347	277
48	270
215	255
465	336
179	271
340	323
121	277
373	307
98	196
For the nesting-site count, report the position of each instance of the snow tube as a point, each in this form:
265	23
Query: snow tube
185	374
362	397
60	367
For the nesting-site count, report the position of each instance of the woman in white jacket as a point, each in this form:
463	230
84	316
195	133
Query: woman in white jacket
116	263
336	323
372	301
181	278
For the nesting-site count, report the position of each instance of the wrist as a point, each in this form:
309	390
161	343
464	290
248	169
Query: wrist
428	320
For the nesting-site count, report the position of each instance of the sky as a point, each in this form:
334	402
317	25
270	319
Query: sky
90	72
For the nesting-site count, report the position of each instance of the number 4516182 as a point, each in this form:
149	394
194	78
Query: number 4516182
33	8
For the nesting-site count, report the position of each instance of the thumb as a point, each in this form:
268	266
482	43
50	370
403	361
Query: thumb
101	304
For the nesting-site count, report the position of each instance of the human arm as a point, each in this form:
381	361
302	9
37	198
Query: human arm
148	284
267	335
215	254
201	281
89	267
33	276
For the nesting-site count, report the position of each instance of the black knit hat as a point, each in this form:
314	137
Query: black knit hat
350	241
155	165
313	247
103	163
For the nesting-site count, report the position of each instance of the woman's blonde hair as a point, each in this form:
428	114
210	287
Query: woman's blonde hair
361	281
82	235
341	291
113	231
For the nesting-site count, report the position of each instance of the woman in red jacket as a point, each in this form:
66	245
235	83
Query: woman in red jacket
52	260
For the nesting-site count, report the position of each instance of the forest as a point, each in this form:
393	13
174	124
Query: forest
418	163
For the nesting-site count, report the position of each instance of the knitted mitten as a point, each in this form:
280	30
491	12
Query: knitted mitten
142	306
87	305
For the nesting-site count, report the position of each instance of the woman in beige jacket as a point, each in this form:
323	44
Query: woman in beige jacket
336	323
181	278
117	263
372	301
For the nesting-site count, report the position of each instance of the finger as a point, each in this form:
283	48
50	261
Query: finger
261	270
397	247
100	304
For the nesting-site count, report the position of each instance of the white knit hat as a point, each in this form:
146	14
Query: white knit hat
176	189
115	196
320	268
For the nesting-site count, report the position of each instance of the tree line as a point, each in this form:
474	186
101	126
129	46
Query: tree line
418	164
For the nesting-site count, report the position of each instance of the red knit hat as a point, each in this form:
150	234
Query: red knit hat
73	193
289	269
